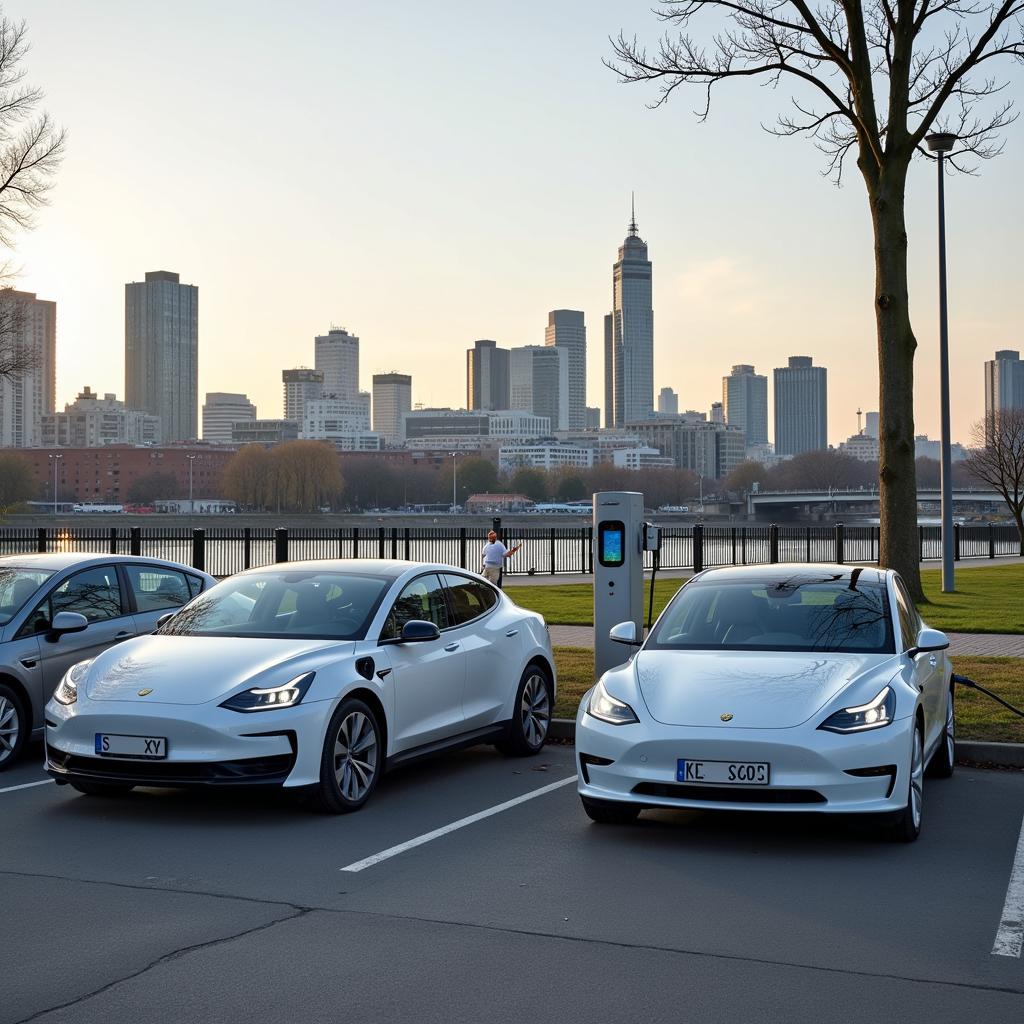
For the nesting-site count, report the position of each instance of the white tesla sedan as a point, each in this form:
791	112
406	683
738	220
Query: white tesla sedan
783	688
313	675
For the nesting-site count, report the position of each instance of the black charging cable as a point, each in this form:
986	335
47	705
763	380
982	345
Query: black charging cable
655	564
972	685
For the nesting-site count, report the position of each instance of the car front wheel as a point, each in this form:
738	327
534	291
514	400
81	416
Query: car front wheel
352	758
907	825
14	726
944	759
531	714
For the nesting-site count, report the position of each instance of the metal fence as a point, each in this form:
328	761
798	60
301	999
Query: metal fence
551	550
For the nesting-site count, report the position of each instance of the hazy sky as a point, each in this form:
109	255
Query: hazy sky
425	174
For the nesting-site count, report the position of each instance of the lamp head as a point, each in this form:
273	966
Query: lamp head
941	142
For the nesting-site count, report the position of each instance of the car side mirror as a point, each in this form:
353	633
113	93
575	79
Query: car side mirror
67	622
416	631
929	640
625	633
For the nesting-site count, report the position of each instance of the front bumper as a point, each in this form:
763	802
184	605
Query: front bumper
810	768
206	745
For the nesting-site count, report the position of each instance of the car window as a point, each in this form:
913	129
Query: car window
423	599
94	593
156	588
17	587
469	598
909	619
195	584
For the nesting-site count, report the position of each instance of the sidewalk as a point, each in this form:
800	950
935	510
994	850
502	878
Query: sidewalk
990	644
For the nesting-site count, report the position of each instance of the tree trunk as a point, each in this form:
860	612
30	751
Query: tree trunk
898	542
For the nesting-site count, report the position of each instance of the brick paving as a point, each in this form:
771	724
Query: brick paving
996	644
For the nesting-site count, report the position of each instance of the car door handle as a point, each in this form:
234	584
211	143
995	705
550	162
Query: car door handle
123	635
452	647
512	632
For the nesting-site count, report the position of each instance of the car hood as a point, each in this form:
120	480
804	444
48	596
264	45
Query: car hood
759	689
197	669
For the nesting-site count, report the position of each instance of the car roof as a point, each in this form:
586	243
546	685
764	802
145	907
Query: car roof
797	571
388	568
61	560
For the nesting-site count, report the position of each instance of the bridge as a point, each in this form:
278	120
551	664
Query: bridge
866	499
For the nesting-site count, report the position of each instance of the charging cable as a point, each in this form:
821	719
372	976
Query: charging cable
972	685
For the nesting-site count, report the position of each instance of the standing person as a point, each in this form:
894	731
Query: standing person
494	555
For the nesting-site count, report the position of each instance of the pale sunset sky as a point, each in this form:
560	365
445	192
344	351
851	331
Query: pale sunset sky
425	174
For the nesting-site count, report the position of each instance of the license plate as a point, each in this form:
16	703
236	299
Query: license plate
723	773
151	747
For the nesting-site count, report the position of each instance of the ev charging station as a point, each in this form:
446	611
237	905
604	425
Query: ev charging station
620	538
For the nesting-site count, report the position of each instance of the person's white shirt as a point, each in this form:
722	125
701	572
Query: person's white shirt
494	554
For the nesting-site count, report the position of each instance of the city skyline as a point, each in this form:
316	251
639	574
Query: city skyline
380	252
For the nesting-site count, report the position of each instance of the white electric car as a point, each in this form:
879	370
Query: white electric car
782	688
313	675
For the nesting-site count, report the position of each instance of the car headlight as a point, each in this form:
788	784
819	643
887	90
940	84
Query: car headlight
287	695
67	691
608	709
873	715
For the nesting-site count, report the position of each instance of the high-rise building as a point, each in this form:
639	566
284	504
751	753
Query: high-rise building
567	329
221	411
487	380
745	403
336	356
801	407
301	385
161	352
668	402
93	422
28	336
717	412
692	442
871	424
609	371
539	382
631	348
392	396
1004	383
593	418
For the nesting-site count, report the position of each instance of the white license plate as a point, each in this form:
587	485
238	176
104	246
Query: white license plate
723	773
131	746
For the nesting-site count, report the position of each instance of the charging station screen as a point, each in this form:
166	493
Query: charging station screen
611	543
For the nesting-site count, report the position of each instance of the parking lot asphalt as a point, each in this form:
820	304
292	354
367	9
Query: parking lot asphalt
237	906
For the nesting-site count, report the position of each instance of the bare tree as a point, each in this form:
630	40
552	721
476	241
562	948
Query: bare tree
871	77
998	460
31	147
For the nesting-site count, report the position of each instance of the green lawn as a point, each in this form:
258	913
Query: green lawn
978	717
989	599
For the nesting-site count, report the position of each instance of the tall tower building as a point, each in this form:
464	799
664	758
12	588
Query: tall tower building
609	371
567	329
668	402
301	385
28	336
336	356
487	381
801	407
745	403
539	382
632	332
1004	383
392	396
161	352
221	411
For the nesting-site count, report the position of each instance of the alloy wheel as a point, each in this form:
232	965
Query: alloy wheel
10	727
535	709
950	729
355	756
917	778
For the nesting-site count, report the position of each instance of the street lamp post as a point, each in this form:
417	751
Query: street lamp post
191	503
941	143
55	464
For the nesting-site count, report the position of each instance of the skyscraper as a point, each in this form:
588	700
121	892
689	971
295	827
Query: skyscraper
221	411
1004	383
567	329
745	403
487	382
336	355
392	396
161	352
629	344
301	385
28	334
539	382
801	407
668	402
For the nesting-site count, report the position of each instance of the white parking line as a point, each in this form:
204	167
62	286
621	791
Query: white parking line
1010	937
394	851
26	785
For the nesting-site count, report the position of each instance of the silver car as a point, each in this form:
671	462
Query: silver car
59	609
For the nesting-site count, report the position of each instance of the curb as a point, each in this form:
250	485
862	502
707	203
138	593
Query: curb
1003	755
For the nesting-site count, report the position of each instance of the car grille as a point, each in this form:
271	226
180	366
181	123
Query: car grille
729	794
252	770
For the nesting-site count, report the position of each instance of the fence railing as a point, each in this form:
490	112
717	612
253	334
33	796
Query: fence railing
551	550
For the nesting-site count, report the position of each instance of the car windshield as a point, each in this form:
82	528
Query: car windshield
296	603
844	613
17	585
